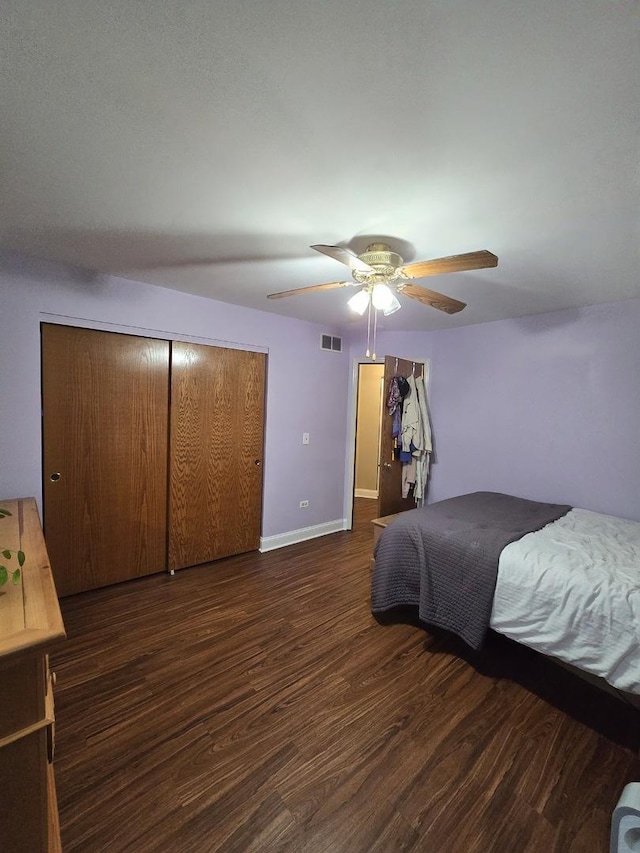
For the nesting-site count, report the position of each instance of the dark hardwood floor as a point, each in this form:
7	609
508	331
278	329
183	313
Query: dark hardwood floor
254	704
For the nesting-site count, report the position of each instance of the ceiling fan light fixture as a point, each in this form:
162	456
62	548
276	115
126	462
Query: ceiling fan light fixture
382	297
359	302
393	306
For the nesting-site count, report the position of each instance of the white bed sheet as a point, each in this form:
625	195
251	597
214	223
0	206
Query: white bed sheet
572	591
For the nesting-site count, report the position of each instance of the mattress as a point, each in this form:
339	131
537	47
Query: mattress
572	591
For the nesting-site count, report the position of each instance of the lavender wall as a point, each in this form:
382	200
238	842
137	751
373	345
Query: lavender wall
307	388
546	407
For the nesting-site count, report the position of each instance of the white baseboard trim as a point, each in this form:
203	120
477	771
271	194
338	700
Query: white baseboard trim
281	540
366	493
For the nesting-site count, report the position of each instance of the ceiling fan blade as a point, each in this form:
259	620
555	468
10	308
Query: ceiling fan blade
453	263
430	297
345	256
331	285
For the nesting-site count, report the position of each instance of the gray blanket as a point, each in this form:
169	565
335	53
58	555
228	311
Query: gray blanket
443	558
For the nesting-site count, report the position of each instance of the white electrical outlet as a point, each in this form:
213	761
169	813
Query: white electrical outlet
305	438
304	504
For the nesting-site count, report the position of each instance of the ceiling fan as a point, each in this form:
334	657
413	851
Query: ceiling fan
382	274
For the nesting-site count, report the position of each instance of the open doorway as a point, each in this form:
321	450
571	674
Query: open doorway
386	478
366	480
368	432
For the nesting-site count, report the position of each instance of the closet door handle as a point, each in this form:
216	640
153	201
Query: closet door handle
386	464
55	476
257	462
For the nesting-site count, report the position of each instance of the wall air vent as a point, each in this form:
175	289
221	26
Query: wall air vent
331	343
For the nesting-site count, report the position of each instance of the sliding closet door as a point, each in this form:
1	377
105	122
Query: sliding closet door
390	498
105	423
216	447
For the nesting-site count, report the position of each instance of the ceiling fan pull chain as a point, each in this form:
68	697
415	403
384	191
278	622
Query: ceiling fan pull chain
375	332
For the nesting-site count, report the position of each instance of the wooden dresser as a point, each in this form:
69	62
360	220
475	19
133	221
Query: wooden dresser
30	624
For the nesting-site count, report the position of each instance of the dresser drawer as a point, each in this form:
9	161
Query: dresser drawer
23	805
22	694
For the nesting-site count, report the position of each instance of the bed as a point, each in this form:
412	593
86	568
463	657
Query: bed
560	580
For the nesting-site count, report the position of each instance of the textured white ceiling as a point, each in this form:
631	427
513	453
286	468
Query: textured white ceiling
203	146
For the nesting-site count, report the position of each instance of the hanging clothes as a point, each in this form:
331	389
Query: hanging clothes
416	440
411	426
424	452
398	390
409	472
394	406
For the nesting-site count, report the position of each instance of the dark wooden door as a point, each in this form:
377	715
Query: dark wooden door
216	449
105	439
390	498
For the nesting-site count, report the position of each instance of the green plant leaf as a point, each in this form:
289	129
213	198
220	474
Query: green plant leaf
16	576
4	512
21	558
3	575
6	554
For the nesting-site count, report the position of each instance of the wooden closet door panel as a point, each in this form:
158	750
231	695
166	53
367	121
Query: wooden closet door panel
216	447
105	431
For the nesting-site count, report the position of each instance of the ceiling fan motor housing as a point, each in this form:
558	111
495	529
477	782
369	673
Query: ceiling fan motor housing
382	259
